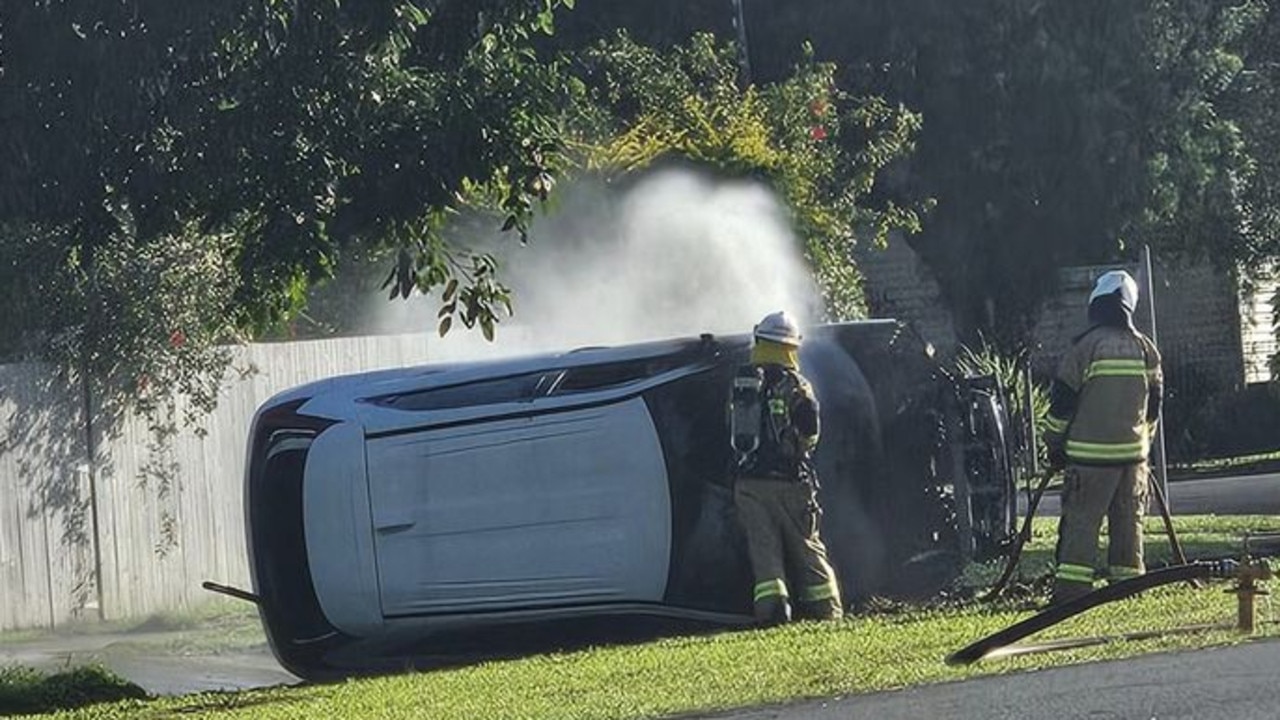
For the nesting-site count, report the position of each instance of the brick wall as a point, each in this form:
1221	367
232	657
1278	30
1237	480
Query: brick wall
1198	320
898	285
1198	324
1206	343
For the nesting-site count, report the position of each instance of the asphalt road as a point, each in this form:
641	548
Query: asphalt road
1245	495
1236	683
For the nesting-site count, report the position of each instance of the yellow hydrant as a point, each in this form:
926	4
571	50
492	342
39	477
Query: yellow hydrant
1249	573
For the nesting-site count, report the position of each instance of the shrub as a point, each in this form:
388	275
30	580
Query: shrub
24	690
987	359
1237	423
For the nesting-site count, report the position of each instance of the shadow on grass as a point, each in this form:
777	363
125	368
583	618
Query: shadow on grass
24	691
228	700
451	650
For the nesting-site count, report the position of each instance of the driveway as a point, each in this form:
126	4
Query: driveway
162	663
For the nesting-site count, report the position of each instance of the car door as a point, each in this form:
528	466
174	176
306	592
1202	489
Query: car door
556	506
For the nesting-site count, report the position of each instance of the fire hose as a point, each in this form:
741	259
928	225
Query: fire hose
1022	538
1247	573
1024	535
1157	489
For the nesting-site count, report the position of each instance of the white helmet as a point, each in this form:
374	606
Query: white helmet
1117	280
780	328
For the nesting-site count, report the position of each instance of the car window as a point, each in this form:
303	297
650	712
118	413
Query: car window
513	388
527	386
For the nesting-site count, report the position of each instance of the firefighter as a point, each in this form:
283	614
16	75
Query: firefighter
774	425
1104	404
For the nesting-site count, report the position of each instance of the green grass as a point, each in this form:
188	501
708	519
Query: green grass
219	627
895	648
1201	536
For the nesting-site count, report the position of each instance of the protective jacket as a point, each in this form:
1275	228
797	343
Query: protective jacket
788	427
1105	398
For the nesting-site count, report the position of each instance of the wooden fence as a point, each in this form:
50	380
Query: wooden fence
81	541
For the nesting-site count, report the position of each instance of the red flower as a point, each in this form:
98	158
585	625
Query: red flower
817	132
177	338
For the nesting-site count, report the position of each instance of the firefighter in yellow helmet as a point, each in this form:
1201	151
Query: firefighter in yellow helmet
774	424
1105	401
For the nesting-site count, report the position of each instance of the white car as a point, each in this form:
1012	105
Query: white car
396	517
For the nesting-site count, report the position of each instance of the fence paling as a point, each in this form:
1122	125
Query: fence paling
46	536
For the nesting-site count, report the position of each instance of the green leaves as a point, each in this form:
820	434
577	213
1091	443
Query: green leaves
1048	130
820	149
204	167
481	298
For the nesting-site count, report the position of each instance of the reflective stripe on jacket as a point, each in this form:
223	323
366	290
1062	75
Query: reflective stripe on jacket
1106	397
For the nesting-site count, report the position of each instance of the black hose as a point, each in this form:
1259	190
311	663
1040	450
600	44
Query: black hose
1174	544
1057	613
1022	538
1082	642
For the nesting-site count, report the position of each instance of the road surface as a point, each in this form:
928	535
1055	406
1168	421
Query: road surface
1245	495
155	661
1234	683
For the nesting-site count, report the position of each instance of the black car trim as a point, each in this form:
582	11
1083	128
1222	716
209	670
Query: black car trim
612	399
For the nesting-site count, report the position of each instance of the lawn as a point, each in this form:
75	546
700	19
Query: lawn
891	647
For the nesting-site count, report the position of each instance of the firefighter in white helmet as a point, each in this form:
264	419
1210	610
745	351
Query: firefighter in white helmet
774	424
1104	404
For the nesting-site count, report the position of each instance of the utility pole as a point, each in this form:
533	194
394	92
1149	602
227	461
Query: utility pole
744	53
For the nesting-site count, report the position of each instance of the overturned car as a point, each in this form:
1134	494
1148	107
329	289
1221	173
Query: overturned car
404	516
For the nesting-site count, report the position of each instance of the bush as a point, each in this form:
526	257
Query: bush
1237	422
24	690
1188	392
987	359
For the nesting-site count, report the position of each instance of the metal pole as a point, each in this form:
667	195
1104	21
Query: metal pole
1158	465
744	53
1028	408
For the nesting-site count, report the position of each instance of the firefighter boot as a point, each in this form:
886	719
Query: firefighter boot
772	610
820	609
1064	591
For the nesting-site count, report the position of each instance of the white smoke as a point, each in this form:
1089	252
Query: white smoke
676	254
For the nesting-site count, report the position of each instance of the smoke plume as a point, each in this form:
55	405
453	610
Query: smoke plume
674	254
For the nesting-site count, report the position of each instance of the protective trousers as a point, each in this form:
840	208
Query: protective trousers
1091	492
780	520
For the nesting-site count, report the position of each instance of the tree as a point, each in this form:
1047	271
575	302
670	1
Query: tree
180	176
1054	133
1253	103
263	136
645	106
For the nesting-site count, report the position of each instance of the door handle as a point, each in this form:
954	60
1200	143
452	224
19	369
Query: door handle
396	527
